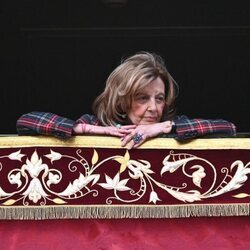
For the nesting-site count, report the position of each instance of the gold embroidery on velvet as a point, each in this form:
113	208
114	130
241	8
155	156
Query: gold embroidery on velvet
34	178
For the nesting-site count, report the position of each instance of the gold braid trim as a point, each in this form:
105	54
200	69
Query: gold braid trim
113	142
120	212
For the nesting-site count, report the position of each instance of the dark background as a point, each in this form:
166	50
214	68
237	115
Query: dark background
56	55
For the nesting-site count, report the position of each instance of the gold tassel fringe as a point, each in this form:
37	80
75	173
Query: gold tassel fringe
121	212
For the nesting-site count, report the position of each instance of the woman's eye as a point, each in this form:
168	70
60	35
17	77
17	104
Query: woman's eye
160	99
142	98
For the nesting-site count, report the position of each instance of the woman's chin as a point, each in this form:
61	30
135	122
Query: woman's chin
149	122
145	121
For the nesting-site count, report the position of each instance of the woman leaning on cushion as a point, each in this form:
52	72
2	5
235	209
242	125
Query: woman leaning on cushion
136	104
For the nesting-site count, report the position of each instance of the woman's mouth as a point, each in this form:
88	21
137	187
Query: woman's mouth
150	119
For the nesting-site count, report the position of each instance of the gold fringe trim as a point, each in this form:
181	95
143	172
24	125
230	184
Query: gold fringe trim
121	212
113	142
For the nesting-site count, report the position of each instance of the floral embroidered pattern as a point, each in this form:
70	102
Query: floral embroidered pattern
36	181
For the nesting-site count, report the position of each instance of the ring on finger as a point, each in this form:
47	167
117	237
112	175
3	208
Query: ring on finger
118	125
137	138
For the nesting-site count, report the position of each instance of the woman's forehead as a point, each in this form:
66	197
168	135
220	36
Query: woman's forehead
157	85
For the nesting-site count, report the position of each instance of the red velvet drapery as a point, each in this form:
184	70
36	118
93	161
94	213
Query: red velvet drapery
185	233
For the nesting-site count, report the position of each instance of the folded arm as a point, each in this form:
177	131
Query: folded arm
43	123
181	128
192	128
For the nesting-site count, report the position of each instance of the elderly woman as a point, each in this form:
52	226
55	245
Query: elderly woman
136	104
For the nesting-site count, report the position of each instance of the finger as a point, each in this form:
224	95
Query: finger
122	133
140	141
119	134
136	137
135	142
127	139
129	126
136	145
127	132
115	132
130	145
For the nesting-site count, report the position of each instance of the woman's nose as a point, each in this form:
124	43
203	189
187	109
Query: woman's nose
152	105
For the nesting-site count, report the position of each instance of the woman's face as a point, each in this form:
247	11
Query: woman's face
148	104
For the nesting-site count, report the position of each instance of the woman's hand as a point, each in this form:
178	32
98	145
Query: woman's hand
122	131
119	131
141	133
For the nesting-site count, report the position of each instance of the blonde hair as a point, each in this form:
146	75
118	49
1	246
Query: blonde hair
133	74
